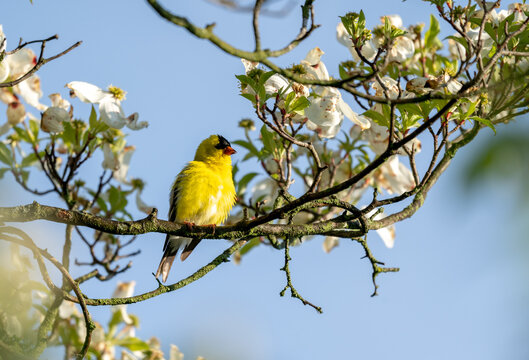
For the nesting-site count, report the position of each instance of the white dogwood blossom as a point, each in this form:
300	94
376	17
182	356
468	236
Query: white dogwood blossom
273	85
327	109
53	118
402	47
109	104
368	49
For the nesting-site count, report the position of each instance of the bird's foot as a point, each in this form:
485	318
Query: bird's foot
189	225
213	226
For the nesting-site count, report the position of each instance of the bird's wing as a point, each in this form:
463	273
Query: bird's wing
172	243
173	201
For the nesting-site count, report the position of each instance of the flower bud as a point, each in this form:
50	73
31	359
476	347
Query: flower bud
247	124
16	113
52	118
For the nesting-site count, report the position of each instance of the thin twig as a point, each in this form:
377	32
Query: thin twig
293	292
374	264
41	61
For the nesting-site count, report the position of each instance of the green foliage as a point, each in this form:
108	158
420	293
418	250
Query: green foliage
355	25
431	41
21	305
501	162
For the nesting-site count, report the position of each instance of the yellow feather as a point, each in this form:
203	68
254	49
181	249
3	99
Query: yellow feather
205	187
203	193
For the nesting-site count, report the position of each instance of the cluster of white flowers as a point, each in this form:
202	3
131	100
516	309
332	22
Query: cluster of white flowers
402	49
117	155
327	108
495	17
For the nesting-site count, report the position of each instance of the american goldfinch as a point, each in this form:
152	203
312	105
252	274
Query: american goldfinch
202	194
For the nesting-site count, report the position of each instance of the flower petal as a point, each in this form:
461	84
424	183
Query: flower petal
330	243
58	101
88	93
3	41
134	124
110	160
112	113
30	91
248	65
124	289
276	83
142	206
52	119
5	128
387	235
323	111
21	62
4	70
361	121
16	113
123	162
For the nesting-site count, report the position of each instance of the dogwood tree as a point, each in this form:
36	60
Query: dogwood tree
329	166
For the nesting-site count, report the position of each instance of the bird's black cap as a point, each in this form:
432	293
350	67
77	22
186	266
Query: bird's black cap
223	143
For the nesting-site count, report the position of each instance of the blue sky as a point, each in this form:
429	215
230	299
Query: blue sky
462	290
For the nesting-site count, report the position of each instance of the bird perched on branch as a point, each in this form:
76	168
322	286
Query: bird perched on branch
202	194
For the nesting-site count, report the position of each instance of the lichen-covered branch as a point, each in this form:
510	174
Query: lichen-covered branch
36	211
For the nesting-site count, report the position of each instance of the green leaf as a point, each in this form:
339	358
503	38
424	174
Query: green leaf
23	134
92	120
377	117
471	107
68	135
268	139
249	246
459	40
387	27
250	97
102	204
34	127
235	170
412	109
264	77
299	105
6	156
486	122
133	344
342	72
249	156
248	146
246	80
242	184
25	175
114	321
135	320
291	96
430	38
30	159
3	171
117	199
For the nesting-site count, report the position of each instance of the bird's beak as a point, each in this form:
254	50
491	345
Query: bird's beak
229	151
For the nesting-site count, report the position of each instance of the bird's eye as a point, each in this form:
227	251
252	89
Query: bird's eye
223	143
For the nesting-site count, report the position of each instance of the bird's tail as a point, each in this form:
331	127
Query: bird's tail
170	249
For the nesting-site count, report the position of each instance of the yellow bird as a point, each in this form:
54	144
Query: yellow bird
202	194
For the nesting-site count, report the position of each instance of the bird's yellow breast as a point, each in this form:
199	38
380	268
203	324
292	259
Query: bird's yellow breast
206	193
